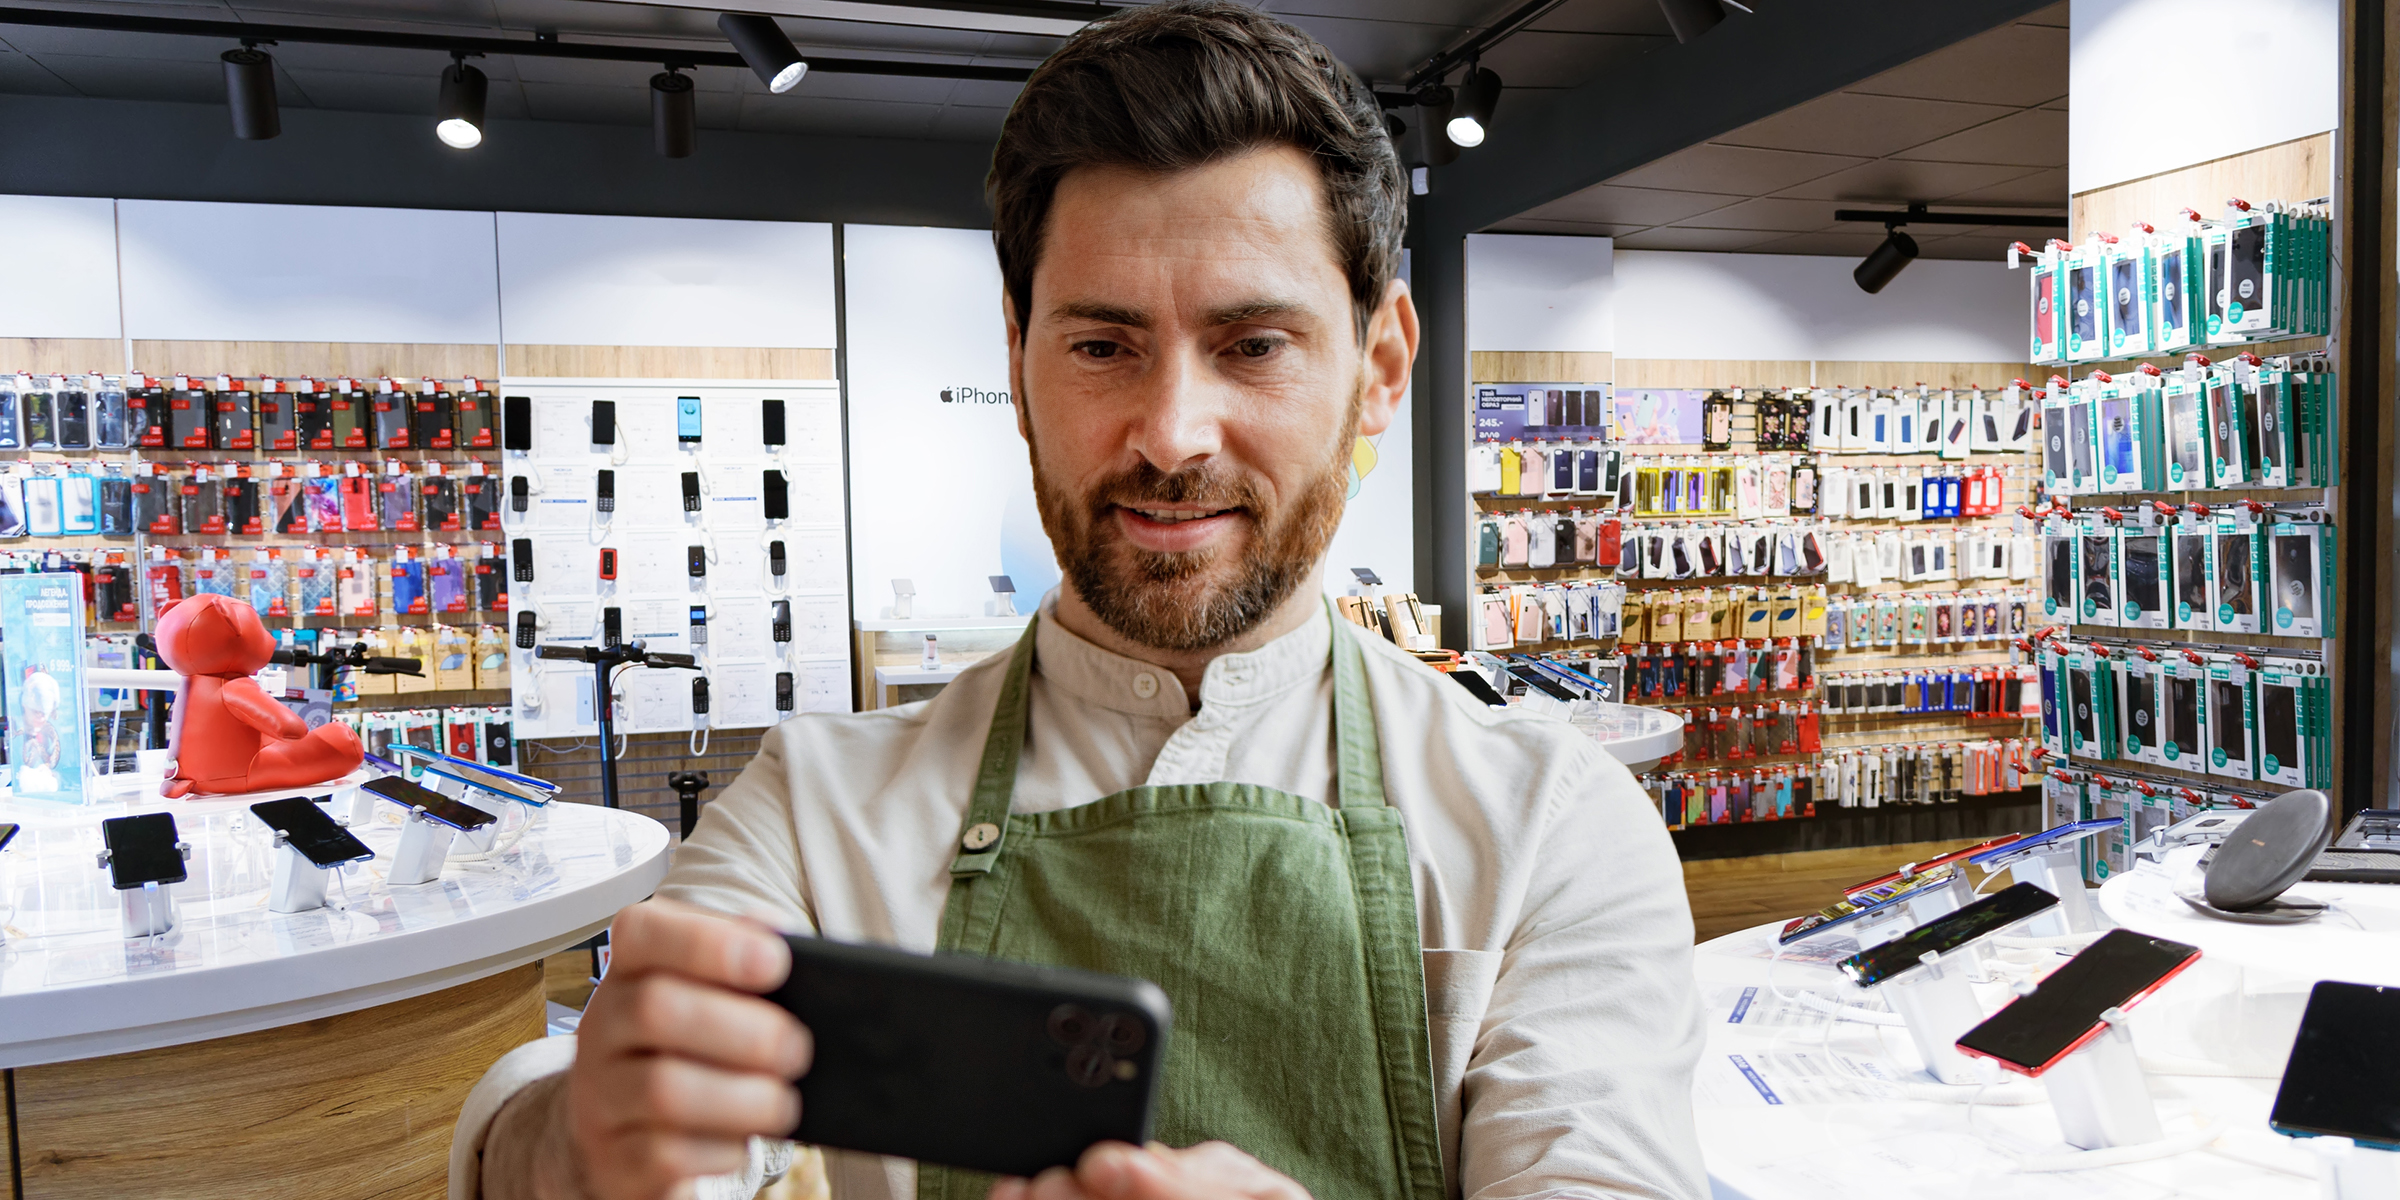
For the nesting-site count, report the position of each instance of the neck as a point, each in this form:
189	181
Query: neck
1189	665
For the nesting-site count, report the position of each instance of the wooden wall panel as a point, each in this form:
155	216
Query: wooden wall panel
287	360
1542	366
1710	373
360	1104
62	356
2300	169
669	362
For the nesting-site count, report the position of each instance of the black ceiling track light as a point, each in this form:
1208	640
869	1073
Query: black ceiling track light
250	93
762	44
1471	120
1885	262
458	115
674	119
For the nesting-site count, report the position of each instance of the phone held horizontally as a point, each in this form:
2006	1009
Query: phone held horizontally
466	818
2035	1031
971	1062
1947	933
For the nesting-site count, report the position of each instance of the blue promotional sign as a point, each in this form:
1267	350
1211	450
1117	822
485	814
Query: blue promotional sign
49	731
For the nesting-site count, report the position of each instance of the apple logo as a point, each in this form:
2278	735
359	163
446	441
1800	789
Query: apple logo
946	398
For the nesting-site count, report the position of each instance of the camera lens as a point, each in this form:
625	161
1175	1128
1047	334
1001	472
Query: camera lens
1070	1025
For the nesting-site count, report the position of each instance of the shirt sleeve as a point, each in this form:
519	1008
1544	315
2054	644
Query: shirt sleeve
743	857
1580	1083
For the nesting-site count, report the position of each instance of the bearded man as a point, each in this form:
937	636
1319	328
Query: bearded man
1417	947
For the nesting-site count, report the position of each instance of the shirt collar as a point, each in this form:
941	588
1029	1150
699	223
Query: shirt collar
1116	682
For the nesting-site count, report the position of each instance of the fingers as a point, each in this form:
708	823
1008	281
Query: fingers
666	1014
652	1164
1057	1183
1208	1171
662	935
660	1095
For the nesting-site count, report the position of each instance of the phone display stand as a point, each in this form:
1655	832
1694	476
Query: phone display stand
2059	873
424	843
1939	1007
2349	1171
362	806
299	885
2099	1093
146	911
904	599
500	805
1892	920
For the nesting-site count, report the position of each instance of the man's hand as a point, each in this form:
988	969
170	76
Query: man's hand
1116	1171
679	1062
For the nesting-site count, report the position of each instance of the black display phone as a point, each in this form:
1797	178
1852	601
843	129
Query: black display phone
1945	934
2338	1080
317	837
142	849
2035	1031
700	696
776	494
971	1062
770	422
520	556
520	494
1479	687
691	491
525	630
775	559
516	423
780	623
604	422
604	491
612	627
695	561
783	692
465	818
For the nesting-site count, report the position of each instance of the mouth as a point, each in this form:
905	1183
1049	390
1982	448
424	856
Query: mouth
1178	528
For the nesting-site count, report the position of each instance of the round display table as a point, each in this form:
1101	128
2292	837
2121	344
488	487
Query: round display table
1631	734
1793	1105
248	1053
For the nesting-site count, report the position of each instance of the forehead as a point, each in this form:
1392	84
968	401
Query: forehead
1258	219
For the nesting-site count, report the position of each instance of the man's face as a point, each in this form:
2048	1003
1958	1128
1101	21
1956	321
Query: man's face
1191	384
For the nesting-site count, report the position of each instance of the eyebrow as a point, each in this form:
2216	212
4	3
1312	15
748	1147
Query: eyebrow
1135	318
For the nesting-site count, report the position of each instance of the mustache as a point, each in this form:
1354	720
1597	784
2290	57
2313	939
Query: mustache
1146	485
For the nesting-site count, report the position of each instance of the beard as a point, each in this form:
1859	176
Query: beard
1199	599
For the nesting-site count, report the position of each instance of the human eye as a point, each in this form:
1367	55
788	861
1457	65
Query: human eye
1096	348
1258	346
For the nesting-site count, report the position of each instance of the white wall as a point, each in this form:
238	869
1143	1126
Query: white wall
1378	529
1540	292
304	273
61	253
1684	304
662	281
2162	84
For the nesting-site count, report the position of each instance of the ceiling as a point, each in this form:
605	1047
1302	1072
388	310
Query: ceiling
1381	39
1980	125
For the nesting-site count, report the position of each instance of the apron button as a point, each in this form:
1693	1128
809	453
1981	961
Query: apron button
980	835
1145	685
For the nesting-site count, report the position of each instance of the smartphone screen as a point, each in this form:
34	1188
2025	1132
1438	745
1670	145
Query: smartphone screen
2181	714
2033	1032
1943	935
2225	720
2279	733
311	832
2295	586
141	849
2233	572
437	806
2141	572
2338	1080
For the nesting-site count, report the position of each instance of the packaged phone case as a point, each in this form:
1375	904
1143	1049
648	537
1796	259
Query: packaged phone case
315	574
360	512
433	421
278	420
396	493
116	503
269	584
478	416
481	496
12	388
347	412
2236	572
287	503
203	500
78	504
41	506
437	501
242	514
213	572
390	425
408	583
237	420
190	423
446	583
491	581
74	403
325	504
40	405
355	585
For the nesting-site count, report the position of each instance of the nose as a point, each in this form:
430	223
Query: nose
1182	411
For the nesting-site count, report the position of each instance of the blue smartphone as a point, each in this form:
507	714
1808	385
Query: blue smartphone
466	818
2048	839
687	419
475	774
1850	910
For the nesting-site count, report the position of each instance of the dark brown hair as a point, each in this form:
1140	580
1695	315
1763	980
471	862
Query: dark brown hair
1172	86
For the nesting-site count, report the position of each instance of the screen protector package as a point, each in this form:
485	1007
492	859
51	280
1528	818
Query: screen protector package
2145	571
2287	754
2137	709
2249	309
2086	302
2091	717
2236	572
2119	436
2300	561
2058	570
2182	710
2046	345
2172	257
2269	398
2096	571
2228	464
2057	470
2232	718
2125	268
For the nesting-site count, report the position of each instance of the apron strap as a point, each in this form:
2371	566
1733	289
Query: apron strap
1358	758
986	824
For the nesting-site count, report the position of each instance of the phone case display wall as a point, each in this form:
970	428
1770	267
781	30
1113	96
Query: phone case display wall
703	517
2189	559
1829	584
342	510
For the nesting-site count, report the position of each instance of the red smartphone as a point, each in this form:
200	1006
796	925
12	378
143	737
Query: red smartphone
2035	1031
1959	855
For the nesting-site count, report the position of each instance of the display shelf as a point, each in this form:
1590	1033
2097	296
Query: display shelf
1836	828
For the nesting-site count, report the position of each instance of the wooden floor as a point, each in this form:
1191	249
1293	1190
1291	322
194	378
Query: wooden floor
1737	893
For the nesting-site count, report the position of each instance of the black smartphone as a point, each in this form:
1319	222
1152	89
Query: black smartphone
516	423
2338	1080
462	817
604	422
520	494
2035	1031
770	422
1479	687
971	1062
142	849
520	555
1943	935
2279	730
2181	715
776	495
695	561
2295	586
317	837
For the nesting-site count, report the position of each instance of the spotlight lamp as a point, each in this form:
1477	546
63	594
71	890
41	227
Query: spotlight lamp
673	125
459	115
1471	118
250	93
1430	148
761	43
1884	263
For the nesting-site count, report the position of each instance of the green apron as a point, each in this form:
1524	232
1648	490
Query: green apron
1284	931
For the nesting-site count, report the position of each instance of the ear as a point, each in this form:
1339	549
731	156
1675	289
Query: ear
1016	362
1389	354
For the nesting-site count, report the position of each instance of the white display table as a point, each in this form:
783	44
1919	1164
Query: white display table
1788	1109
2358	941
257	1054
1631	734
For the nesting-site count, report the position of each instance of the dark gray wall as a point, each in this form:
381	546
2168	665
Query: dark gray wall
165	151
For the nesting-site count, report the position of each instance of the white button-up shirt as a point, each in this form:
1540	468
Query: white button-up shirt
1558	945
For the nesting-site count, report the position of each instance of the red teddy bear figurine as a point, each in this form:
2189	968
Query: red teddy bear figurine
231	736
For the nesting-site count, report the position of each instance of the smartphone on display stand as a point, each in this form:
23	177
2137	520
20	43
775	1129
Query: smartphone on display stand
142	849
971	1062
318	837
2338	1080
2035	1031
465	818
8	833
1946	934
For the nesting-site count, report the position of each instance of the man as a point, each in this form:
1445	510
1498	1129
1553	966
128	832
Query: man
1418	947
